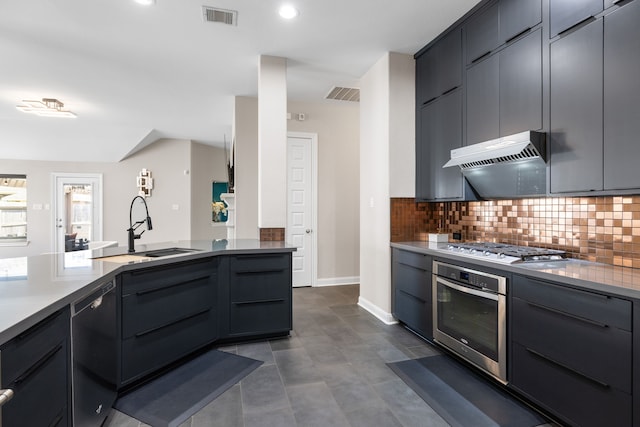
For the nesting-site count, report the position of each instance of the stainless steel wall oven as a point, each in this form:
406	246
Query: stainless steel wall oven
469	316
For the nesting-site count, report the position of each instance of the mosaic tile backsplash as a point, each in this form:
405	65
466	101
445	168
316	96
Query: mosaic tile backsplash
601	229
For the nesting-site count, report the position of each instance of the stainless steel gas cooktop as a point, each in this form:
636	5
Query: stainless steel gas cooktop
505	254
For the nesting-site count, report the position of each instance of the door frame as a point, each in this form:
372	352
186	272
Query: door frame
313	137
97	208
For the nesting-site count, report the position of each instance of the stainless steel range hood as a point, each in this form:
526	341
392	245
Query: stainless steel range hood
508	167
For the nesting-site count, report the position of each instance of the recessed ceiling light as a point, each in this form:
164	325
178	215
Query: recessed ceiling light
145	2
288	12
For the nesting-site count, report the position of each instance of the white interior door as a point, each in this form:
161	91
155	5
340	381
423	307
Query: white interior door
301	205
78	211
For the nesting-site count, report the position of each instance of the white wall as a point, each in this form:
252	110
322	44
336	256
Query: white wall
272	142
167	159
402	129
208	164
246	167
337	126
386	99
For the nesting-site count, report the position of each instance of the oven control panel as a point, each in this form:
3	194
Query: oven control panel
473	278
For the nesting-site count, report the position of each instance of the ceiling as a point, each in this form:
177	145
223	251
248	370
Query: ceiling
134	73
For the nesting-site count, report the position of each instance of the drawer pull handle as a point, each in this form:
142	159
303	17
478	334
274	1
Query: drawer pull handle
567	368
572	316
181	319
262	301
484	55
577	24
5	396
429	100
266	270
449	90
412	266
172	285
510	39
39	364
56	421
413	296
39	326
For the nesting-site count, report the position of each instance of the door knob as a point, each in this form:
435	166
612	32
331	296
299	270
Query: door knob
308	230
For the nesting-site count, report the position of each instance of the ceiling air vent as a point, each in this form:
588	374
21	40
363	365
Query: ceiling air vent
344	94
224	16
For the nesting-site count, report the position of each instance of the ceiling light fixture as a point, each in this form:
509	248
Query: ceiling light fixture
288	12
48	107
145	2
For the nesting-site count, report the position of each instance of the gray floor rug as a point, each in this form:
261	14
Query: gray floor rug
462	397
174	397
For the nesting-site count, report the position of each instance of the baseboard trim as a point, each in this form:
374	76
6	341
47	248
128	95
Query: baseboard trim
337	281
385	317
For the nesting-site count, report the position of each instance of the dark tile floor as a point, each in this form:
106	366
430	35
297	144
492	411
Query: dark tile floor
331	372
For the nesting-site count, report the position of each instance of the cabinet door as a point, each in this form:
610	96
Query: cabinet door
576	111
448	68
564	14
518	16
447	135
425	81
483	101
424	131
621	106
482	33
411	283
521	85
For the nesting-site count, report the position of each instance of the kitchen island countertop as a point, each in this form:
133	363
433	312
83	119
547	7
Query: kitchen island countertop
614	280
31	288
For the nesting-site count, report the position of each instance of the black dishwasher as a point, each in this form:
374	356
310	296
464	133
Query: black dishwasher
94	347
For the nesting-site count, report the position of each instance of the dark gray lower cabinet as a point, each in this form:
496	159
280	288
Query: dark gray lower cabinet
571	352
167	312
35	366
259	291
411	290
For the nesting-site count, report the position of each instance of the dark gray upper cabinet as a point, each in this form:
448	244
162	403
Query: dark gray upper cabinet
621	89
482	33
564	14
576	110
439	130
521	85
439	69
504	91
518	16
482	87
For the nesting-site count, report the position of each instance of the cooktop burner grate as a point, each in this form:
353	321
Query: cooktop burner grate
501	250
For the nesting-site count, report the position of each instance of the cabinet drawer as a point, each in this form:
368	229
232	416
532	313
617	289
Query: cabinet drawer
260	317
575	399
145	280
609	311
414	312
144	353
22	352
152	308
413	259
413	281
40	397
259	263
599	352
250	286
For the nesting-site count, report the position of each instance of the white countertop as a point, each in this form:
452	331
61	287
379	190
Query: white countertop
620	281
31	288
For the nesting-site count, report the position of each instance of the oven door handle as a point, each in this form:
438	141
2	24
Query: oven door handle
466	290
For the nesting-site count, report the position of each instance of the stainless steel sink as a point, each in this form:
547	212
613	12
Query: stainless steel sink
165	252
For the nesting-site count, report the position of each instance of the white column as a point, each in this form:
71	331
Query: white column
272	142
230	200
